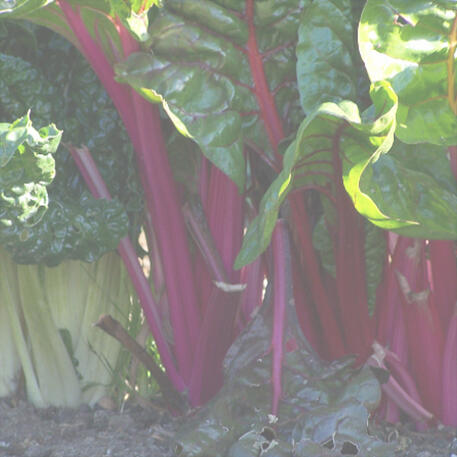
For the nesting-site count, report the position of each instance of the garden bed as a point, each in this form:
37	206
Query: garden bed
147	432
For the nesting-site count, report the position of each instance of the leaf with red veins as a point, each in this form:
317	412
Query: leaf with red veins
226	74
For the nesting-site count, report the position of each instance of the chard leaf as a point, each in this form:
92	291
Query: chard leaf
308	161
27	168
412	45
225	72
328	63
414	184
57	84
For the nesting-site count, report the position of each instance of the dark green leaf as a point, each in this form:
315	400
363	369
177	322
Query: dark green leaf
327	54
57	84
83	229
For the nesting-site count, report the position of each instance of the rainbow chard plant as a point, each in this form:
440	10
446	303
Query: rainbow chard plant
314	125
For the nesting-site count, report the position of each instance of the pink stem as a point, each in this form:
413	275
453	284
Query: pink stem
282	290
450	373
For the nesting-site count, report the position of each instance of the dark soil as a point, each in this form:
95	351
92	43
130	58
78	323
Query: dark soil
84	432
138	432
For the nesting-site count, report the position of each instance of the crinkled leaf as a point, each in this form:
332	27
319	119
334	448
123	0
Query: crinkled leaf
327	54
201	63
70	229
27	168
330	129
57	84
409	45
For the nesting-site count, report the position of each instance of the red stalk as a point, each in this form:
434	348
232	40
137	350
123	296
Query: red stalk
424	332
305	311
97	186
225	219
330	326
398	370
215	338
444	277
300	225
397	394
450	374
350	264
143	125
252	275
196	221
265	98
224	212
282	294
162	201
389	297
119	93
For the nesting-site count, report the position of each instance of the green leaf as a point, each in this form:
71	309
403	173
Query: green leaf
200	64
134	15
308	162
409	45
58	84
415	187
18	8
327	54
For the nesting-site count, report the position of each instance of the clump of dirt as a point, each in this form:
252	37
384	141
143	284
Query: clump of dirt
148	432
84	432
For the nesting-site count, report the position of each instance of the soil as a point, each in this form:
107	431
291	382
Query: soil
147	432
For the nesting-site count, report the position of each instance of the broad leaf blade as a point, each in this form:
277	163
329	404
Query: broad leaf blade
201	63
409	45
332	128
